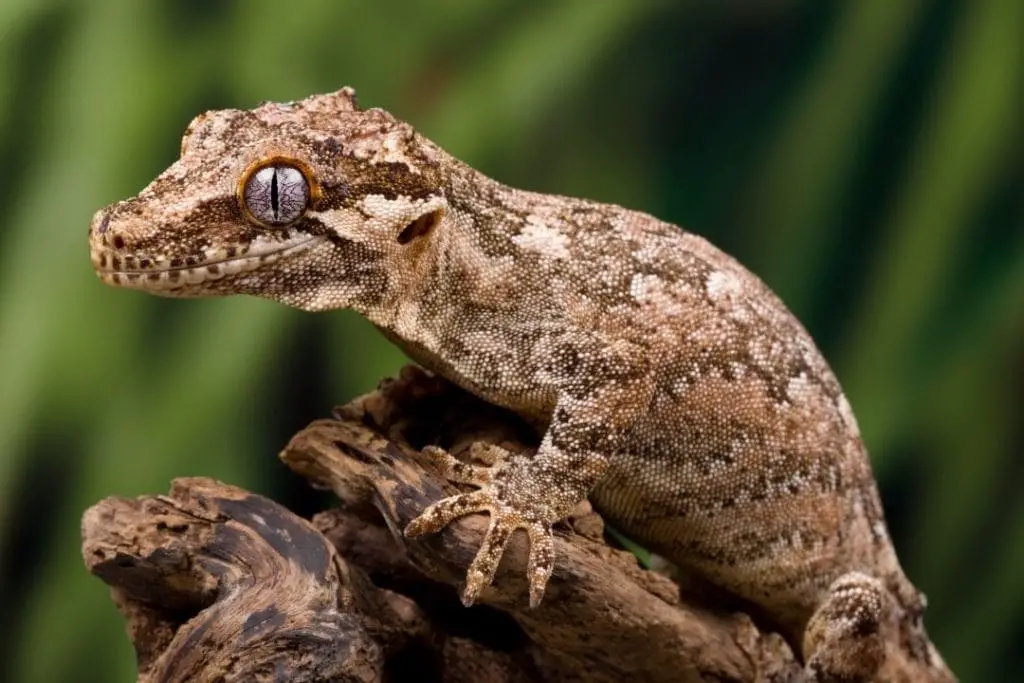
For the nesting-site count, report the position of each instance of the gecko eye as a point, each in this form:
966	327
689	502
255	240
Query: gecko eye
276	194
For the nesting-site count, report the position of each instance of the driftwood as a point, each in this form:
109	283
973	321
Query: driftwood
218	584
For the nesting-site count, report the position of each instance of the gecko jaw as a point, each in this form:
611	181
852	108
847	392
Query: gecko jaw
162	275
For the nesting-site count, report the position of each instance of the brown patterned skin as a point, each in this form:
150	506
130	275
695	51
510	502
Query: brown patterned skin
670	384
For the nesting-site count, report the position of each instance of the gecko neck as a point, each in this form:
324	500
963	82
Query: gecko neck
450	300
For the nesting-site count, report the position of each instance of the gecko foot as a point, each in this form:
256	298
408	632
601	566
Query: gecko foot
842	642
509	508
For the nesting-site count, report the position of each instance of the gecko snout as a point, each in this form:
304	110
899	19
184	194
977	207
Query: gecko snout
102	237
113	256
104	242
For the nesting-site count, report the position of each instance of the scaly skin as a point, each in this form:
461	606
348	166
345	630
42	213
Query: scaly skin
671	385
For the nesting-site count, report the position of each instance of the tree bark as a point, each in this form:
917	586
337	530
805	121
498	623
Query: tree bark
218	584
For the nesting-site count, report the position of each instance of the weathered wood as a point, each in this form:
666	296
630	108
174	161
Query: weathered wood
222	585
603	617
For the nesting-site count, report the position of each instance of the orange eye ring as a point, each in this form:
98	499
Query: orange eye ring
277	190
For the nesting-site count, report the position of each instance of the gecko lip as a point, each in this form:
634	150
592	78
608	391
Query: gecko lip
141	272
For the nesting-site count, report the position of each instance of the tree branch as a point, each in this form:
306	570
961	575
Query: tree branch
220	584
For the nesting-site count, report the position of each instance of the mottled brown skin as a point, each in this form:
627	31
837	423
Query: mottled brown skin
670	384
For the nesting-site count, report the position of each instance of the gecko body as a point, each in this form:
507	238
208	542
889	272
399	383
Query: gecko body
670	385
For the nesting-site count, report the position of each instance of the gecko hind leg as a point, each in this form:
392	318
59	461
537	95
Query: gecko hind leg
843	641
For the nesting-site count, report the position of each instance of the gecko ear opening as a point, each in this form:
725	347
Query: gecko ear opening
420	227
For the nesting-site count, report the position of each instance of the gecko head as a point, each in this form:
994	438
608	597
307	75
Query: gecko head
316	204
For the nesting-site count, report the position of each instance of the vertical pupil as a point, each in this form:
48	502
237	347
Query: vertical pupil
274	194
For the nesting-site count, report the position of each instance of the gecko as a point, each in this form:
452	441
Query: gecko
670	385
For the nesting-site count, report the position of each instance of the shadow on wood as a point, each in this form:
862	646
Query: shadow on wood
218	584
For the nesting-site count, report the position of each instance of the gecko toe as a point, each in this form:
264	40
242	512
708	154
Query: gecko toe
445	511
542	560
454	469
485	564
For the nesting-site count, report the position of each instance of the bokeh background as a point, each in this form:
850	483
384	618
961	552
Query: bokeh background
865	158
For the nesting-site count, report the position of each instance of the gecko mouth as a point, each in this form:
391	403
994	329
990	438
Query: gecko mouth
167	274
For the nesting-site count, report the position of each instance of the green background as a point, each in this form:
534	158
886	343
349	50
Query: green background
863	157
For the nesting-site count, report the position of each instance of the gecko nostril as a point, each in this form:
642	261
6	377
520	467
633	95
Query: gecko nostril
118	242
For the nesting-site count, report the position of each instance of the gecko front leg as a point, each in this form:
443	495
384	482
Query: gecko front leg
518	493
592	414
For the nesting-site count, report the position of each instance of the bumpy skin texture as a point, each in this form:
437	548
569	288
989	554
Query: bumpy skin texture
670	384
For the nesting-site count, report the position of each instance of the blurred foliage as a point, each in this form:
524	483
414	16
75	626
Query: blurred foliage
863	157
